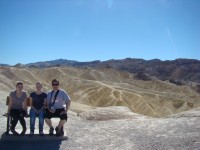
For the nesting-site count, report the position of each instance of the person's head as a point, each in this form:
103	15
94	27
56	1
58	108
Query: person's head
38	86
55	84
19	86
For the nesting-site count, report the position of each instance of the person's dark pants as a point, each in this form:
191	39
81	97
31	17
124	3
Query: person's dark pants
61	113
17	114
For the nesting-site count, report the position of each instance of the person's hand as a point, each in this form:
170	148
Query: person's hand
26	113
51	111
7	114
36	111
41	110
26	116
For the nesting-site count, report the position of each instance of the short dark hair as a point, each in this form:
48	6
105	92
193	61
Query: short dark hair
19	83
55	80
39	83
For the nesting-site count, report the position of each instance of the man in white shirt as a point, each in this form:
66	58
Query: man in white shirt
56	99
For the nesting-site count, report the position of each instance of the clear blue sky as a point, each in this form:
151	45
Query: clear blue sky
85	30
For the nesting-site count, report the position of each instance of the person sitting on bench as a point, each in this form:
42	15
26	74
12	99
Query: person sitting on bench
17	108
56	100
37	104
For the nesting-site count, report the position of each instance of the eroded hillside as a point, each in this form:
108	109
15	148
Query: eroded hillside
90	88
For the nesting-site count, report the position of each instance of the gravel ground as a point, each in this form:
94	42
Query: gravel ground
177	132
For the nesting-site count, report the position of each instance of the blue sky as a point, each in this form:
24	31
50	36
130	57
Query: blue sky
86	30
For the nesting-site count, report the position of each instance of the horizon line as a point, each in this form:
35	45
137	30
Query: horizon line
100	60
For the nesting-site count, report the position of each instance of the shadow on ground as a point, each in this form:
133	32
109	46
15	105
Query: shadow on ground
10	142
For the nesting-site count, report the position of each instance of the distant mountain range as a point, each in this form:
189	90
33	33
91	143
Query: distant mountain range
63	63
6	65
176	71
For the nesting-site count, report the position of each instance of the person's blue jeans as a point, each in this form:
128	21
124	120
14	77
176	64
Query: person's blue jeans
33	116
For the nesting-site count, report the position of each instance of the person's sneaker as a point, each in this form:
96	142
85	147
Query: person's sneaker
57	131
23	131
61	132
51	131
31	133
41	133
14	132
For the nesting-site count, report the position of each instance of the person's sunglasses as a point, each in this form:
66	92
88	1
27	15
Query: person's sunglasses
55	84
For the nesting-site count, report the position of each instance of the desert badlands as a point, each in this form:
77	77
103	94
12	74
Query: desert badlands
111	110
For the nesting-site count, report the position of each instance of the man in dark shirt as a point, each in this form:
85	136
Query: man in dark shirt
37	103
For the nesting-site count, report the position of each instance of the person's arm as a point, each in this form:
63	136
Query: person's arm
45	105
68	105
25	104
45	102
10	103
31	105
67	100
